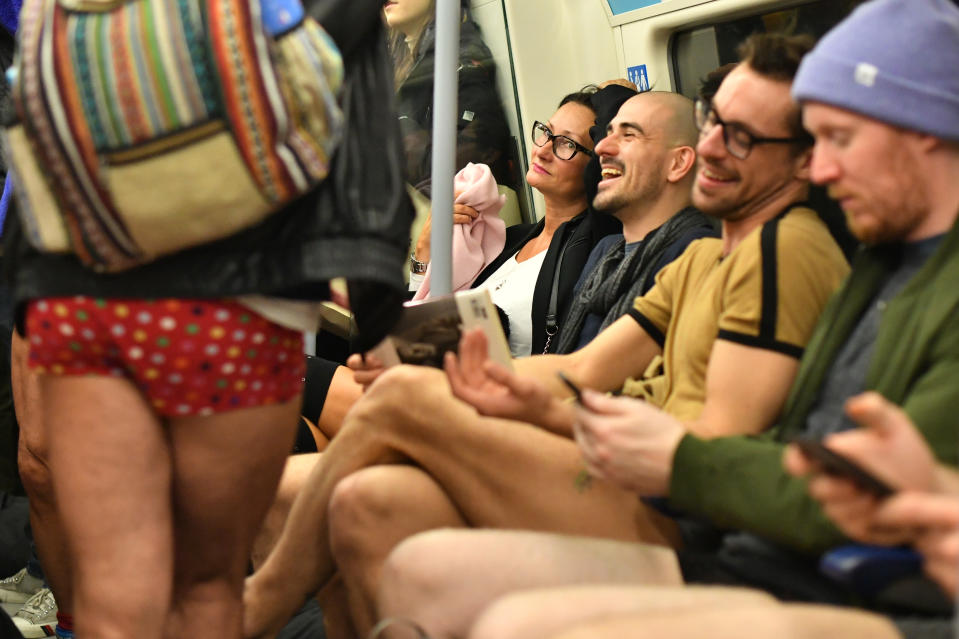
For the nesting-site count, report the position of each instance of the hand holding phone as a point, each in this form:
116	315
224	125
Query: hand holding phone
577	393
836	464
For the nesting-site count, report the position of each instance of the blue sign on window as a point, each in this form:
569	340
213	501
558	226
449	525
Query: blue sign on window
638	76
622	6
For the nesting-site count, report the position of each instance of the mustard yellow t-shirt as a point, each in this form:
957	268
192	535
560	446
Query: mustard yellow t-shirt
767	293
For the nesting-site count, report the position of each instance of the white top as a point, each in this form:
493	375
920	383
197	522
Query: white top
511	288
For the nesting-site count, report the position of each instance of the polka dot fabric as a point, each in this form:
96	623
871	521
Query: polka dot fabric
189	357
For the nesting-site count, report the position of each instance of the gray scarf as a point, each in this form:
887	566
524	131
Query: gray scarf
617	280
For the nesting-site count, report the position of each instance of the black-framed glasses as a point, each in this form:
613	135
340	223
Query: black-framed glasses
565	148
739	142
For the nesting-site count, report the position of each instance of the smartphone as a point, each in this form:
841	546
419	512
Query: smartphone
834	463
569	383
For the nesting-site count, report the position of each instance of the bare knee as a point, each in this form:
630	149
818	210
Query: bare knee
402	395
35	473
505	618
414	583
359	507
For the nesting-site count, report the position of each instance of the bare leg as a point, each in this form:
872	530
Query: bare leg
370	512
737	622
32	455
225	470
408	415
321	440
110	462
543	613
335	605
295	473
424	577
343	393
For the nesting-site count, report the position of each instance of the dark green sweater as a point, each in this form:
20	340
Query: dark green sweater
739	482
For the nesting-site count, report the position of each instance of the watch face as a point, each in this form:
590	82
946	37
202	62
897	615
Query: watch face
417	267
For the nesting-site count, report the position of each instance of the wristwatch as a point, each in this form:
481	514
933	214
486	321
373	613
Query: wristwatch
417	267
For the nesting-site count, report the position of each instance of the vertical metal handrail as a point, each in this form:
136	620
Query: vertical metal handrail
444	144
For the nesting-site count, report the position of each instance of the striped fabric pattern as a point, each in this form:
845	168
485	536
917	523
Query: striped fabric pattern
309	56
235	41
142	70
63	138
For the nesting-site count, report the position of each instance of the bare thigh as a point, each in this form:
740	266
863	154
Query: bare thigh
340	397
501	473
445	579
225	472
736	621
543	613
295	472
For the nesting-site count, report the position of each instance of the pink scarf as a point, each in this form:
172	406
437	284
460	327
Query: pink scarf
475	244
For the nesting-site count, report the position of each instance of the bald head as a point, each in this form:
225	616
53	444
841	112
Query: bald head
647	160
671	114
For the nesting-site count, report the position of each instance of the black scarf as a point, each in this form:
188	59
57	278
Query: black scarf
617	280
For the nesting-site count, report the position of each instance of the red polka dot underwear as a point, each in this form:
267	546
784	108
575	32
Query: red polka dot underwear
189	357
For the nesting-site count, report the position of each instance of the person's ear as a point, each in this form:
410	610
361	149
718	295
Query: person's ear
927	143
803	164
682	162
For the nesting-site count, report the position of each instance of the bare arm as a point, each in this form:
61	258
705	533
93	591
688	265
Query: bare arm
622	350
746	388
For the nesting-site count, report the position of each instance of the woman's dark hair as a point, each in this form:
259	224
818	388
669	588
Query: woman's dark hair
584	97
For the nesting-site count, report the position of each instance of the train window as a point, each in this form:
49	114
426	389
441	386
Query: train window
696	52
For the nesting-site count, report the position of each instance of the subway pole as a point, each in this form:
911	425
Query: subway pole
445	95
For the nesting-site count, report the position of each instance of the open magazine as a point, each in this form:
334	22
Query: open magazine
429	328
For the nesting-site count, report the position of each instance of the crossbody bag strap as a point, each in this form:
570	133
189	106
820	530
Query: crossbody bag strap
552	325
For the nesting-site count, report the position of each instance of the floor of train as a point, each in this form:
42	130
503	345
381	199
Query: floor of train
308	623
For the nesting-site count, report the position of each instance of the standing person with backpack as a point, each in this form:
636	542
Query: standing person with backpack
162	217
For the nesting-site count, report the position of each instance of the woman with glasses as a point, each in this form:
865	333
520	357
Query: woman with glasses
532	280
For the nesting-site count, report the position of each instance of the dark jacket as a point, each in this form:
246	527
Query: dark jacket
482	133
356	213
579	235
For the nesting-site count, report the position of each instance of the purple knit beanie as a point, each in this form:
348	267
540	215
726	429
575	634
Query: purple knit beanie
896	61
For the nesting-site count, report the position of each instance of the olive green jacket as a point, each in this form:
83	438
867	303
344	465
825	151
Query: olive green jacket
739	482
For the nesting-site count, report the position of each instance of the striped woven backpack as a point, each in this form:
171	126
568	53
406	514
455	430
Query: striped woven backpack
150	126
